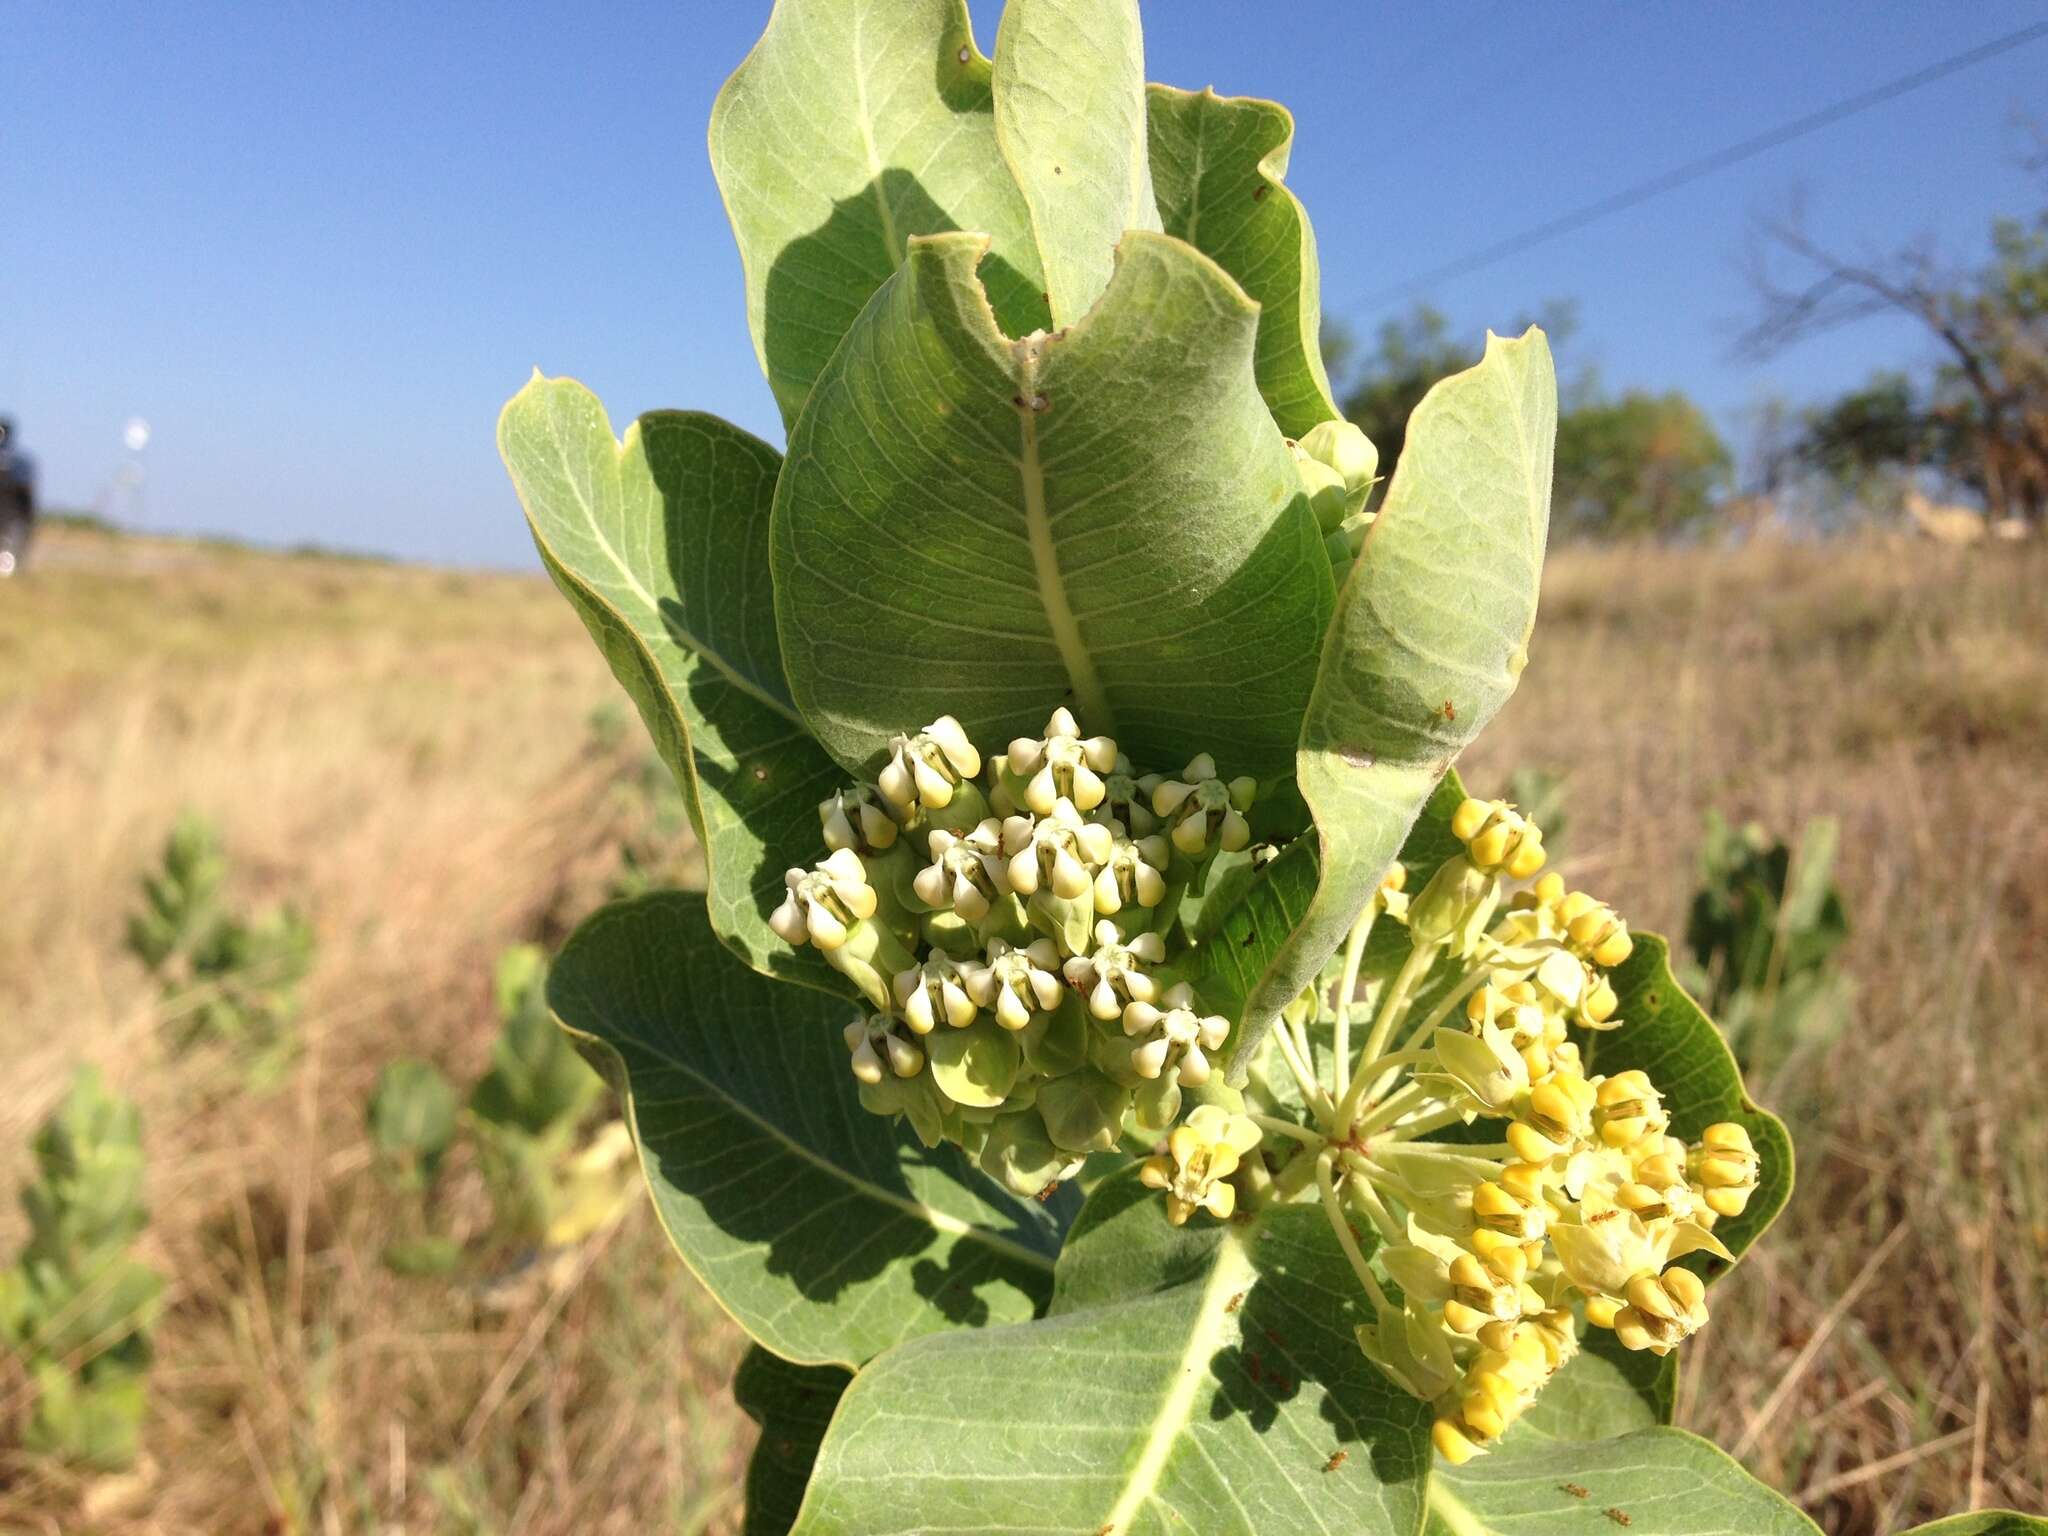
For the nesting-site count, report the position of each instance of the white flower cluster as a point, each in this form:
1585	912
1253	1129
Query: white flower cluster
1012	923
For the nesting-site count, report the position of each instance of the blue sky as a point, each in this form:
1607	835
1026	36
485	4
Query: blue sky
318	246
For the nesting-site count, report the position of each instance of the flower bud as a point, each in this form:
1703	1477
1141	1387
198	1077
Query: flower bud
1062	766
1128	799
1629	1108
1172	1040
1110	978
1201	1154
855	818
967	872
1486	1066
878	1049
1592	928
924	770
1662	1310
825	902
1726	1167
1455	907
1132	873
1498	838
1199	808
1015	982
933	991
1057	850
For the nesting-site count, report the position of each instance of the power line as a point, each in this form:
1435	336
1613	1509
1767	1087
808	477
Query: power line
1706	165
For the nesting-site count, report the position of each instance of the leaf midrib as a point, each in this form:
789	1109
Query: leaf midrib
942	1221
1232	1271
1089	700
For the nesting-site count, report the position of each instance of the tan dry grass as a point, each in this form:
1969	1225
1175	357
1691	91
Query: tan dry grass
408	751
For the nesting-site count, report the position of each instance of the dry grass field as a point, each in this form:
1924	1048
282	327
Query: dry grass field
410	754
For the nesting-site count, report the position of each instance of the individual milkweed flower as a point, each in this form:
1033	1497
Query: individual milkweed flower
1132	873
855	818
1057	850
1202	1152
1111	977
1628	1108
926	770
1593	929
878	1047
824	903
1062	766
1498	1387
1556	1116
933	991
1172	1041
1726	1167
1016	983
1127	798
1336	463
1606	1248
1512	1204
967	871
1200	808
1498	839
1662	1310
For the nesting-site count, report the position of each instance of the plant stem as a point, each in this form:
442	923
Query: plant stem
1342	1227
1347	992
1414	1096
1287	1128
1312	1093
1425	1125
1392	1007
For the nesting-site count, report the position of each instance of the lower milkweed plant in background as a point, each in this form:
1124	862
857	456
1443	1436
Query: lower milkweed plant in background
1114	1072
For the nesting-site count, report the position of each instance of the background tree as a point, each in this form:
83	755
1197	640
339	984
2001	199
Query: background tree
1981	417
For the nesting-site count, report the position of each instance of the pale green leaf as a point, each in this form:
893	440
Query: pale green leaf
660	544
850	127
1194	1380
792	1404
1657	1482
1217	169
1985	1522
1070	118
1430	638
1105	518
827	1232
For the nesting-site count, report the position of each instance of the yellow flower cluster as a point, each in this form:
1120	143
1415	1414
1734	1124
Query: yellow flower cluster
1584	1203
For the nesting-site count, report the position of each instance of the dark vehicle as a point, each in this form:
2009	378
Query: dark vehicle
17	501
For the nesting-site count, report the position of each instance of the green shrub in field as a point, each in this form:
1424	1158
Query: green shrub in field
226	978
527	1119
1764	932
75	1308
1114	1073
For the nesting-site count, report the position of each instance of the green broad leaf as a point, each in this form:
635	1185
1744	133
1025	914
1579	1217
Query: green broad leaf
1985	1522
660	544
1218	164
852	126
1202	1379
1070	119
1661	1482
828	1233
793	1404
1104	517
1431	635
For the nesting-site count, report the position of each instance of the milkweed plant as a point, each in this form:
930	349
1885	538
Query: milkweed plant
1114	1072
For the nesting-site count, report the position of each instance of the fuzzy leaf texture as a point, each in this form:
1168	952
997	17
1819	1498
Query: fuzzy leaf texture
827	1232
660	544
1430	638
1104	516
1186	1379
